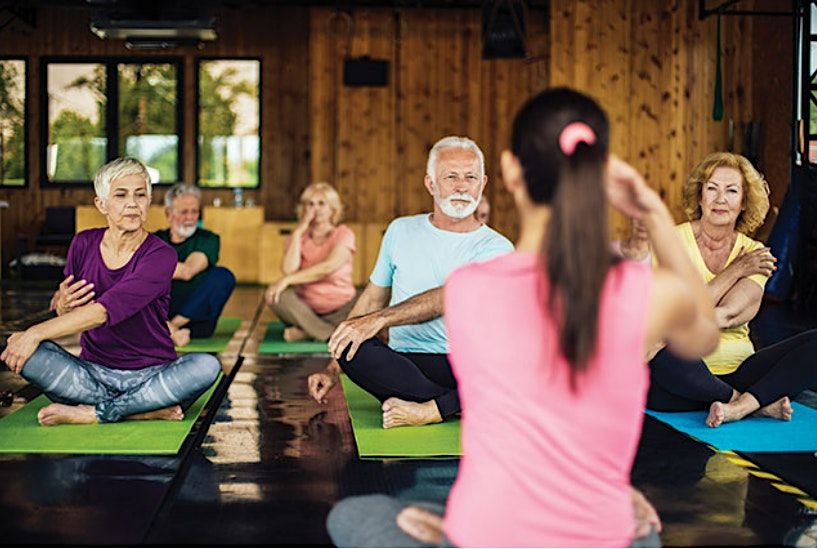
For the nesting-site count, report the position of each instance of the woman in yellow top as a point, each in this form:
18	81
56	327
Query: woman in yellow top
726	199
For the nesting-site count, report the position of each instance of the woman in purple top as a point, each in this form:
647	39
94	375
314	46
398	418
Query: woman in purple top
117	293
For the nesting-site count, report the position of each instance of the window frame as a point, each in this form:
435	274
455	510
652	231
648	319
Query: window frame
111	110
26	116
197	124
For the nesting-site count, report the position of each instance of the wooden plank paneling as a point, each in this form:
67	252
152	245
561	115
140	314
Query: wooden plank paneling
650	64
242	33
652	67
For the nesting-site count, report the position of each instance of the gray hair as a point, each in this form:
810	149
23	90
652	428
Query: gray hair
181	189
453	142
117	169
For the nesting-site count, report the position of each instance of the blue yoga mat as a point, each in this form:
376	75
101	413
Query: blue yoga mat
751	434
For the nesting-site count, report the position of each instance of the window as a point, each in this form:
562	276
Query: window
77	100
228	137
101	109
12	122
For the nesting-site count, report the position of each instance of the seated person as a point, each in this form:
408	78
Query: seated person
316	292
553	380
411	375
726	200
116	293
200	288
636	247
483	211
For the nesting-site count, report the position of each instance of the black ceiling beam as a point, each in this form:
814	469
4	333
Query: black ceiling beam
723	9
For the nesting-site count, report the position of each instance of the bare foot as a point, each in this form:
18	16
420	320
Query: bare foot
56	414
180	337
293	333
717	414
397	412
779	409
422	525
171	413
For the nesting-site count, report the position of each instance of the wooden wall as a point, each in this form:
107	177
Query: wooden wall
373	142
772	82
278	36
650	64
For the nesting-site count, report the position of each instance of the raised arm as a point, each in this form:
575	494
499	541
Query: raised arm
680	309
21	345
291	261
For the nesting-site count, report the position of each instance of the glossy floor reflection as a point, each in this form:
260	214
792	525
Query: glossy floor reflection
273	462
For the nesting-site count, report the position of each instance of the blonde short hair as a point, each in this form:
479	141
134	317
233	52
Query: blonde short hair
755	190
331	195
117	169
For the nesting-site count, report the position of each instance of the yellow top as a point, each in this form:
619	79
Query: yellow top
735	345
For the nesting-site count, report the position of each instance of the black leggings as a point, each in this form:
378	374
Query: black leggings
418	377
783	369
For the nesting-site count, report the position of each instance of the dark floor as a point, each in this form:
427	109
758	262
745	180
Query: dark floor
265	466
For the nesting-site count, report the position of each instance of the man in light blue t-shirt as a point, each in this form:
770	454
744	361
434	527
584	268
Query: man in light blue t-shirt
411	375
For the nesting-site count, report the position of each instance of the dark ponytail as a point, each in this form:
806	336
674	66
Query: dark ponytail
576	254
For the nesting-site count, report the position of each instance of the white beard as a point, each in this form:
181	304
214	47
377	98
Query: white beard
185	231
456	211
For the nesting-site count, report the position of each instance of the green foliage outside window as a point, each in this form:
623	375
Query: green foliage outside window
228	114
12	123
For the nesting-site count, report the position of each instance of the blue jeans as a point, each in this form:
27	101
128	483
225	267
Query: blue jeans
371	521
205	304
117	394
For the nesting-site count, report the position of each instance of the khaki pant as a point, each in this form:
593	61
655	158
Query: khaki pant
294	311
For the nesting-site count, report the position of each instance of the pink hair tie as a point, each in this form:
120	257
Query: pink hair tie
573	134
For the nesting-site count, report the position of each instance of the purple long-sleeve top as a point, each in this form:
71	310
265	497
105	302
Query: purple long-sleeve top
136	298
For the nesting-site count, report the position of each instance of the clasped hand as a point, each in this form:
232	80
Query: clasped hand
19	348
760	261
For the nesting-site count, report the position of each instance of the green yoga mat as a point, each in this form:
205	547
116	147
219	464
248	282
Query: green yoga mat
274	342
373	441
20	433
225	328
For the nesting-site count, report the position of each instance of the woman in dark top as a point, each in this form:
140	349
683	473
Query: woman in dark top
117	293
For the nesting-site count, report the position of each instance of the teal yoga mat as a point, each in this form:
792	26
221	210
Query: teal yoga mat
373	441
274	342
751	434
20	433
225	328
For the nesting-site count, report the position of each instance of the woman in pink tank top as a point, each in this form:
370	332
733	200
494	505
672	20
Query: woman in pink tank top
550	362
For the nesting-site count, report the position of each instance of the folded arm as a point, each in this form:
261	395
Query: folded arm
740	304
195	263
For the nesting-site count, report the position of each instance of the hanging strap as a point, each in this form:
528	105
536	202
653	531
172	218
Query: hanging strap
717	106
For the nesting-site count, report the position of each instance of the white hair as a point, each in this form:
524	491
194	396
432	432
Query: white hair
181	189
117	169
453	142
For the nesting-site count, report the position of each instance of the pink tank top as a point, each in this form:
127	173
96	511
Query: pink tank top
543	465
335	289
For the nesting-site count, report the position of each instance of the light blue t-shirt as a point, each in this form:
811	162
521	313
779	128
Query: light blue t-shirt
415	256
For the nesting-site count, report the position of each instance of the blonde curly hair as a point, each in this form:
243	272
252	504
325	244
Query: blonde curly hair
755	190
329	193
